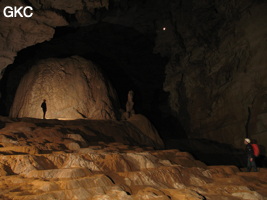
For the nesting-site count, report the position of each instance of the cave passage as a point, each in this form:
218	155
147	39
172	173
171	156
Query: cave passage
126	58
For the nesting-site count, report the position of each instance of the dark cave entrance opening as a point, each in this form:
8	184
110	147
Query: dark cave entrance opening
125	56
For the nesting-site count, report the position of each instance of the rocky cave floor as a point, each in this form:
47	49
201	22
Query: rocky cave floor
54	159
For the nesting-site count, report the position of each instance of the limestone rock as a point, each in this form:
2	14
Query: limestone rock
61	173
217	88
47	135
129	105
73	88
142	123
109	170
70	7
18	33
73	146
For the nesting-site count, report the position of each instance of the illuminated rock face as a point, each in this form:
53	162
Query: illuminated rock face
23	32
73	88
38	161
20	32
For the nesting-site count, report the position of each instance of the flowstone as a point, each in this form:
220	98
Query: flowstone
73	88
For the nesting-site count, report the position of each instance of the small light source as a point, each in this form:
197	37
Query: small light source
164	28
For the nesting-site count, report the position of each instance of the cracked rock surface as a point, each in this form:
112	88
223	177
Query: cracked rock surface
38	161
73	88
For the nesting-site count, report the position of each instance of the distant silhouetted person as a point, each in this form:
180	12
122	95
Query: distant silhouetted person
43	105
250	156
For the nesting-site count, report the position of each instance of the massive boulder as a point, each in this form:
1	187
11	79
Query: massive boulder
73	88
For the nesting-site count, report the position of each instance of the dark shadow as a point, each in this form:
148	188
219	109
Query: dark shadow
124	55
261	160
110	179
210	152
83	116
62	147
66	131
44	108
43	161
20	135
2	125
13	153
44	125
10	137
100	136
8	170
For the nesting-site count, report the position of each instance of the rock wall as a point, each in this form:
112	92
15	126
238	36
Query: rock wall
215	76
18	33
217	66
73	88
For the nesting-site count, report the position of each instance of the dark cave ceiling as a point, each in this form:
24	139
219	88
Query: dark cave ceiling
124	54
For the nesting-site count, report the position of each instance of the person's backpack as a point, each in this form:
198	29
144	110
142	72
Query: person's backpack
256	149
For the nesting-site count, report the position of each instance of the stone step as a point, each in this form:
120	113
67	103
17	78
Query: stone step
78	192
75	194
98	180
59	173
10	150
97	184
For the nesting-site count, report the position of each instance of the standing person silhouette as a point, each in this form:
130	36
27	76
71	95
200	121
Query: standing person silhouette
43	105
250	156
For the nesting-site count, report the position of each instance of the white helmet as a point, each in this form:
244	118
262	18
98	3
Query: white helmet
247	140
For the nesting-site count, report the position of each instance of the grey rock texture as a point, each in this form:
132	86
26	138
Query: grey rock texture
70	7
73	88
217	69
19	33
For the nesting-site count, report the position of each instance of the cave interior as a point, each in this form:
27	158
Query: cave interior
197	69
